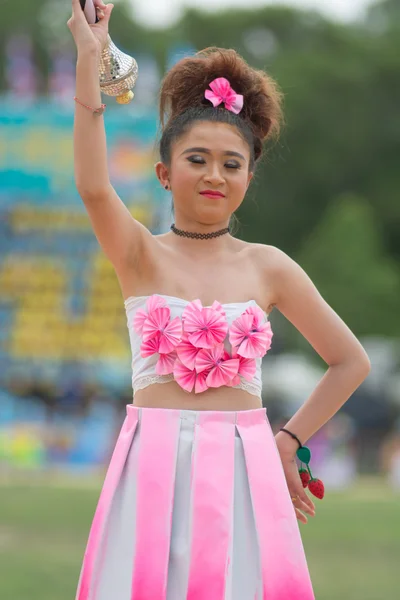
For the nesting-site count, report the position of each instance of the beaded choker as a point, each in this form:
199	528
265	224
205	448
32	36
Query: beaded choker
199	236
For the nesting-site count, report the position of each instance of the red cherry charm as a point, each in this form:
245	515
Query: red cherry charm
316	487
305	477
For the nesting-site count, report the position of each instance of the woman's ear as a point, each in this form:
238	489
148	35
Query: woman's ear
249	178
162	174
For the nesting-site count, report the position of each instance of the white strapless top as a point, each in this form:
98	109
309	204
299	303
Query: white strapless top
173	339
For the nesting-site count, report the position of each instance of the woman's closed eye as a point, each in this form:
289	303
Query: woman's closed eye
232	164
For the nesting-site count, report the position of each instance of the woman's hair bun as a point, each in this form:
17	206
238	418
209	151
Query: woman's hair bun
184	85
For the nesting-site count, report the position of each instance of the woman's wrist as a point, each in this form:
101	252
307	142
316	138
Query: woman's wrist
89	54
287	446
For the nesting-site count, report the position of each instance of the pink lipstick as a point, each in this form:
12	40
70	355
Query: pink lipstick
212	194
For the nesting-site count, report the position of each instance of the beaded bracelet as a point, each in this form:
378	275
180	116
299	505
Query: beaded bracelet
95	111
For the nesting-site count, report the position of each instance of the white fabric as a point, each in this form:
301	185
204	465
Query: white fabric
143	369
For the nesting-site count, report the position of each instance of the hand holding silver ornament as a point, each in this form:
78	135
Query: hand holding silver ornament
116	70
89	136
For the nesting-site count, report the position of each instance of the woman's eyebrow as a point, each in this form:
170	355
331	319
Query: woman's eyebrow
207	151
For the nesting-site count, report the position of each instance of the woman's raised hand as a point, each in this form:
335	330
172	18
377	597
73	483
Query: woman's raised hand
90	38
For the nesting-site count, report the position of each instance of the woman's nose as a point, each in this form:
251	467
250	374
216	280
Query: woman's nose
214	175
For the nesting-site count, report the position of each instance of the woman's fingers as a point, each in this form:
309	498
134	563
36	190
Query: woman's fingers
104	14
300	499
97	3
301	516
307	506
303	503
100	7
299	513
76	8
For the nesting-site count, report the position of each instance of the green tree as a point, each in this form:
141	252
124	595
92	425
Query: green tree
347	257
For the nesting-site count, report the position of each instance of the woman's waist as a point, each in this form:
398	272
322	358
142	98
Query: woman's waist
171	395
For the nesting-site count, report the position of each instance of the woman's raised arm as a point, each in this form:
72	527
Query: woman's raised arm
118	233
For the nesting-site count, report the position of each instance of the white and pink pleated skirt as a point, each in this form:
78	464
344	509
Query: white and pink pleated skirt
195	506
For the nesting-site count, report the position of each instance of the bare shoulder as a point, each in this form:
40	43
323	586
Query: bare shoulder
269	261
268	257
299	300
283	269
263	260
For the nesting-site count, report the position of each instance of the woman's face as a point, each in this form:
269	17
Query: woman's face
210	156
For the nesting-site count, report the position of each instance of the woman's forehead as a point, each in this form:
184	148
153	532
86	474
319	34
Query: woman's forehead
214	136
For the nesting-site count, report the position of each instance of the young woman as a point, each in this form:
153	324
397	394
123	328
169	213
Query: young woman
200	499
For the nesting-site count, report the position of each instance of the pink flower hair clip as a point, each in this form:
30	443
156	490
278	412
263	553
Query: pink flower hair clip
222	92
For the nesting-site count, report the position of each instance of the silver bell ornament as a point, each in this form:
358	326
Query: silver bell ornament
118	71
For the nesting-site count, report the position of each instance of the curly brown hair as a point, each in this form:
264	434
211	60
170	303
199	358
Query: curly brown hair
182	99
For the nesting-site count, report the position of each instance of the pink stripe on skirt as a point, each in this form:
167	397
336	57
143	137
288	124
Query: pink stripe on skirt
283	562
195	506
155	497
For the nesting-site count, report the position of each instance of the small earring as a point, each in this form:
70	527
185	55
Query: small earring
166	187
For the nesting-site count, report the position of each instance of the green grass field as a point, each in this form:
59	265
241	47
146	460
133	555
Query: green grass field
352	545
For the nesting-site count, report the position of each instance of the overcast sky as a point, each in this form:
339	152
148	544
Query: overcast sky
162	12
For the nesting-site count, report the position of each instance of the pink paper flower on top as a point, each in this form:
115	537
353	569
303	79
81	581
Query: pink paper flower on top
141	315
247	368
183	376
160	334
201	382
217	362
250	335
184	369
165	363
159	325
189	378
187	352
205	327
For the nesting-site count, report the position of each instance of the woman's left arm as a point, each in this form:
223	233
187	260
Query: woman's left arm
299	301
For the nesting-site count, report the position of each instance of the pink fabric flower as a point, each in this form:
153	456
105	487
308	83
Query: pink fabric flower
150	347
165	364
220	366
185	377
201	382
187	352
234	381
170	332
196	305
166	361
205	327
189	378
247	368
160	334
141	315
250	335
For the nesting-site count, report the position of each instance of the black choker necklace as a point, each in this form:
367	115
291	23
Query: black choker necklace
199	236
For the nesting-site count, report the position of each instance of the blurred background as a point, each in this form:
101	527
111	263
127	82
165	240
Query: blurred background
327	194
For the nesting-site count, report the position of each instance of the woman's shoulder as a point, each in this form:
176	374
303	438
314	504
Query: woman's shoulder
269	257
275	265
